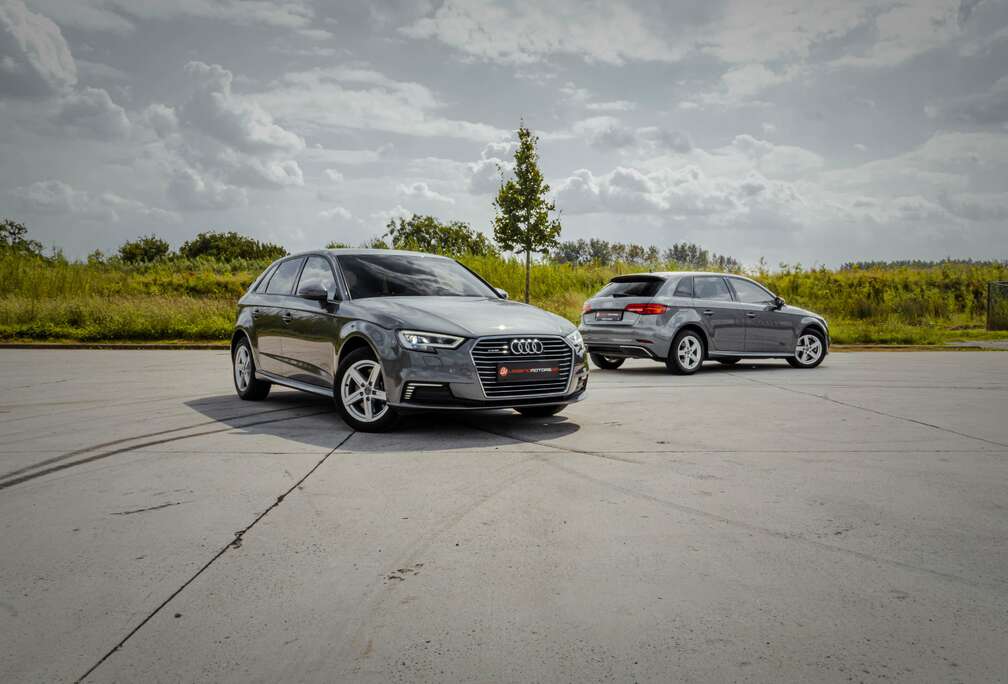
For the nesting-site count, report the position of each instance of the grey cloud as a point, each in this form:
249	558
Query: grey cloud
191	190
92	111
981	109
34	57
59	198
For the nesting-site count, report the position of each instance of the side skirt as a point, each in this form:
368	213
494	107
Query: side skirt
295	384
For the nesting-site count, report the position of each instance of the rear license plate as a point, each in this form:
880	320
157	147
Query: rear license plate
608	315
526	370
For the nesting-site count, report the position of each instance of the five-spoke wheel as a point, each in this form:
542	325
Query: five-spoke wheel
809	351
686	353
360	393
245	382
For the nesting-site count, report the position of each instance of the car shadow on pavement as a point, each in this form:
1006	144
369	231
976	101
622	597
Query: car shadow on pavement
312	420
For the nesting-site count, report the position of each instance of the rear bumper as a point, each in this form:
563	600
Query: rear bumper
626	342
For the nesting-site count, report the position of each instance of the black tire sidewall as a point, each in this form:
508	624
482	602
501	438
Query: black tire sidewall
257	389
602	362
384	423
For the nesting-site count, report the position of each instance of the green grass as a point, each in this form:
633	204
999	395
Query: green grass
195	300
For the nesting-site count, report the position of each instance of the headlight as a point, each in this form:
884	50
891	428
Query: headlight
428	341
575	340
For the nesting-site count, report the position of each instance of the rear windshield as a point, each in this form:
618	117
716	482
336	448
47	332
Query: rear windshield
643	287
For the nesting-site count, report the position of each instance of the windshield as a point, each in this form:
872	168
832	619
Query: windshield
399	275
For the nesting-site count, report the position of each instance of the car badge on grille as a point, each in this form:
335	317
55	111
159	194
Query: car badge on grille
526	346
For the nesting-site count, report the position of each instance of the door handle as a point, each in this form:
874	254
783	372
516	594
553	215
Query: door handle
750	315
256	313
708	312
286	316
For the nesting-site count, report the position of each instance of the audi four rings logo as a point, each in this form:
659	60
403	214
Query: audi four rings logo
526	346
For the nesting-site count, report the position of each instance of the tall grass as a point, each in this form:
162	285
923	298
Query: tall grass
195	300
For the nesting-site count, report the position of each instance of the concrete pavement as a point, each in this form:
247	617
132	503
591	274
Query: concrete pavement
755	523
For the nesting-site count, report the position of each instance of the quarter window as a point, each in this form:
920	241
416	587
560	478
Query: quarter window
264	279
749	292
282	282
316	272
685	287
711	287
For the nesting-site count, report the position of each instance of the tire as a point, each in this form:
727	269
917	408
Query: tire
540	411
686	354
359	393
729	361
606	362
810	350
243	373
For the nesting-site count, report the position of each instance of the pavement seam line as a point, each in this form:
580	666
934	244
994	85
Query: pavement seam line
725	520
877	412
233	544
114	452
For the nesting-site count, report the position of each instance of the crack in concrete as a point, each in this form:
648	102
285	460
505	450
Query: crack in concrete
151	508
233	544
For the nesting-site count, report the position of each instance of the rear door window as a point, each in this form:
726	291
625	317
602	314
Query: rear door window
642	287
282	282
711	287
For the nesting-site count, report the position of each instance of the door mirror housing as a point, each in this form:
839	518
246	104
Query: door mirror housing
501	293
779	302
314	292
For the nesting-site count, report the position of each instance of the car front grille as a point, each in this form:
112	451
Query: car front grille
490	351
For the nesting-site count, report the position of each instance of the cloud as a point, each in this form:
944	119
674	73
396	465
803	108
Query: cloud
347	97
238	122
92	111
161	118
56	197
526	33
335	213
397	212
420	189
35	59
334	175
980	109
606	132
194	191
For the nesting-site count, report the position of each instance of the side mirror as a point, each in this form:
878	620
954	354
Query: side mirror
501	293
779	302
314	292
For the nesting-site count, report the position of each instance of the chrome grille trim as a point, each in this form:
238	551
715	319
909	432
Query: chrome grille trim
487	352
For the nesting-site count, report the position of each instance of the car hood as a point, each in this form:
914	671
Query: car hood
465	316
798	311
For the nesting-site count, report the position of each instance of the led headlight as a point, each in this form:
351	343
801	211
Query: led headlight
416	340
575	340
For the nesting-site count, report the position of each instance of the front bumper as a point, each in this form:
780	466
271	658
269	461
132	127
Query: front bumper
448	380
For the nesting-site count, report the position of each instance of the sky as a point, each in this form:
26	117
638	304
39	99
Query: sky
788	130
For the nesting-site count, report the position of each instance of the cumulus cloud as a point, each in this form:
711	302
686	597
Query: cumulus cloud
349	97
57	197
421	190
92	111
192	190
335	213
606	132
334	175
34	57
980	109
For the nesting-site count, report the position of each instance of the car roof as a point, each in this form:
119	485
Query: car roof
675	274
368	250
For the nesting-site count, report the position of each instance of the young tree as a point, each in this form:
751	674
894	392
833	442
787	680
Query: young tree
523	222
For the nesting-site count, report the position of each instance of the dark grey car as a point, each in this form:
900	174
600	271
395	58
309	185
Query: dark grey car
683	318
383	332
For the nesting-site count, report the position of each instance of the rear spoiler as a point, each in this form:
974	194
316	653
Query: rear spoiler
641	278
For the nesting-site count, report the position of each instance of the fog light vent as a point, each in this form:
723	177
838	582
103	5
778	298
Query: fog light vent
425	391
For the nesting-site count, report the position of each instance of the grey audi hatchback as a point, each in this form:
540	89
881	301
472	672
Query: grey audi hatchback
383	332
684	318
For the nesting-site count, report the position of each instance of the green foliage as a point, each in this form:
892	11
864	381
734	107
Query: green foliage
44	299
144	250
229	246
337	245
523	222
14	238
605	253
428	234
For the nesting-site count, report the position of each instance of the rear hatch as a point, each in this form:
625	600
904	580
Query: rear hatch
623	301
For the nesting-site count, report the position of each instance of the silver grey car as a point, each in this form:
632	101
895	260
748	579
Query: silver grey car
685	318
384	332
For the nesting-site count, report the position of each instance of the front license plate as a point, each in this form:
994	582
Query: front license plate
526	371
608	315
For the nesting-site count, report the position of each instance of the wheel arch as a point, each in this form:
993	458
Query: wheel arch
817	327
352	343
698	329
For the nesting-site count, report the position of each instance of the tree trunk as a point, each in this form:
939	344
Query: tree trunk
528	273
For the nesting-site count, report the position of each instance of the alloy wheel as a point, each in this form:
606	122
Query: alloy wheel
362	391
689	352
243	368
808	350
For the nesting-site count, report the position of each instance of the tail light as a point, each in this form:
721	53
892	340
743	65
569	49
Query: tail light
649	309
